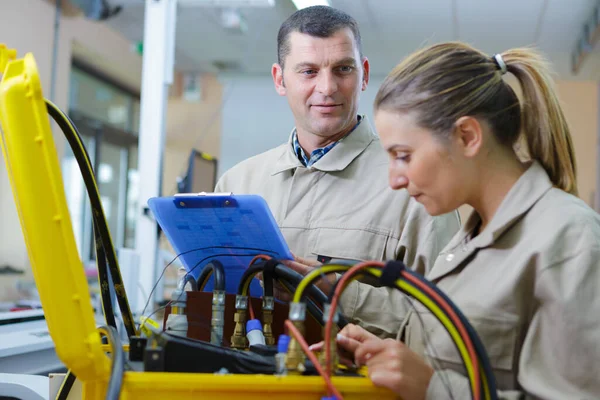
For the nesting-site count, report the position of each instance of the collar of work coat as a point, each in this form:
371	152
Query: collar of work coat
524	194
337	159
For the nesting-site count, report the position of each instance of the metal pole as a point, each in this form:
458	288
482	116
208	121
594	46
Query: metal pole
157	75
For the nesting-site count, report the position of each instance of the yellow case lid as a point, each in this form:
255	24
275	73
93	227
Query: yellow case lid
34	171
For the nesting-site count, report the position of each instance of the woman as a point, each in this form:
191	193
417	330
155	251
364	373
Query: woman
524	267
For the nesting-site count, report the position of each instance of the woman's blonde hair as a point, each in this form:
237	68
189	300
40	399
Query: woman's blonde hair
444	82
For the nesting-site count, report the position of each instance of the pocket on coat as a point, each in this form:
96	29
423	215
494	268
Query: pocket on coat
353	244
498	334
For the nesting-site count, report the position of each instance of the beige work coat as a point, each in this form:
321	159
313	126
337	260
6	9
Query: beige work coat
530	285
342	207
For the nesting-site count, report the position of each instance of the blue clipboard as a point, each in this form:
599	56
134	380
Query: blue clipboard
220	226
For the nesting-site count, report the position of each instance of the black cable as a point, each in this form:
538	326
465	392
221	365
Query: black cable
65	387
74	138
311	307
213	268
104	282
247	276
204	259
477	344
268	276
190	279
118	363
283	272
479	349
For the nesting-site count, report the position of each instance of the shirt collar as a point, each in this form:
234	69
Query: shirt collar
336	159
316	154
528	189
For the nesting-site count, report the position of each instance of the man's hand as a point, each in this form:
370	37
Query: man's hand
304	266
391	364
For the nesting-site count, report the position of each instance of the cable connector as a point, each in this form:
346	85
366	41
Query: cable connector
177	323
254	333
327	311
218	317
267	316
238	339
294	361
282	348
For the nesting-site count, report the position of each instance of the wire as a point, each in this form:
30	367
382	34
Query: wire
333	309
200	249
118	362
87	172
487	376
315	274
311	306
470	360
192	282
426	340
246	280
213	268
298	336
284	273
65	387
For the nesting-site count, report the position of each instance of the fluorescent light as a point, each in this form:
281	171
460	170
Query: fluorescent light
226	3
300	4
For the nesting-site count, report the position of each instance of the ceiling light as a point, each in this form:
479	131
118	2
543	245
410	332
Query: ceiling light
227	3
300	4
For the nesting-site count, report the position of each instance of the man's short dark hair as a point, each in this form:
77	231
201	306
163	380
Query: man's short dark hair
317	21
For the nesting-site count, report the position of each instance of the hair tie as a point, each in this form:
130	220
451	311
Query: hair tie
500	62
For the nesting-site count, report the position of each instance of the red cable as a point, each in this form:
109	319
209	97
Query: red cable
298	336
457	322
338	290
255	259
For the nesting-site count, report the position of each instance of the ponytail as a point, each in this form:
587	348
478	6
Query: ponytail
542	120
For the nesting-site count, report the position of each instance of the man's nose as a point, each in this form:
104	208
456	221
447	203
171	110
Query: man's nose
327	84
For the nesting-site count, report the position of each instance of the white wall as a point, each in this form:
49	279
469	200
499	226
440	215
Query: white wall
256	118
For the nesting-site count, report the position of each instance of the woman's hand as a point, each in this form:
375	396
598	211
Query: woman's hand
348	340
391	364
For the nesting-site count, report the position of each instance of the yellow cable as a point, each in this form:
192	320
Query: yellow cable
439	314
419	296
314	274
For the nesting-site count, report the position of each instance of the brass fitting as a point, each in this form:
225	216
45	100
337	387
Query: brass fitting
295	358
267	317
294	361
238	339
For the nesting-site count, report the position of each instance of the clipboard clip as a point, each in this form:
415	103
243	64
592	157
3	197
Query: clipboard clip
207	194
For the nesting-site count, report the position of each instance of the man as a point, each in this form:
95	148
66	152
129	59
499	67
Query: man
326	187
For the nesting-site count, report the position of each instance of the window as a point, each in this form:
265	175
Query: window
107	117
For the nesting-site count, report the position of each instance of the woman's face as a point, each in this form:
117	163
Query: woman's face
429	167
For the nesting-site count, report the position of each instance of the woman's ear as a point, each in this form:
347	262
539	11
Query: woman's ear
468	135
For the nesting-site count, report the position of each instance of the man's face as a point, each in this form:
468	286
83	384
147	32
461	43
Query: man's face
322	79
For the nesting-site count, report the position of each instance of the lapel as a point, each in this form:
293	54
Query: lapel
337	159
530	187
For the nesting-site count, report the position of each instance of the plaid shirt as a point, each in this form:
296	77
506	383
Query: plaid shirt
317	154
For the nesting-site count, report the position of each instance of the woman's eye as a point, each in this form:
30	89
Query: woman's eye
403	157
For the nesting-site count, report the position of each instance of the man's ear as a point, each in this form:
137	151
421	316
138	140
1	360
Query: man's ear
468	134
277	73
366	70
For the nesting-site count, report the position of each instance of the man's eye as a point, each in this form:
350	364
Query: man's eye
346	68
309	72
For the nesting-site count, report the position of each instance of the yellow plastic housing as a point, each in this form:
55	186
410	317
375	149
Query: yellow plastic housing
33	166
34	172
